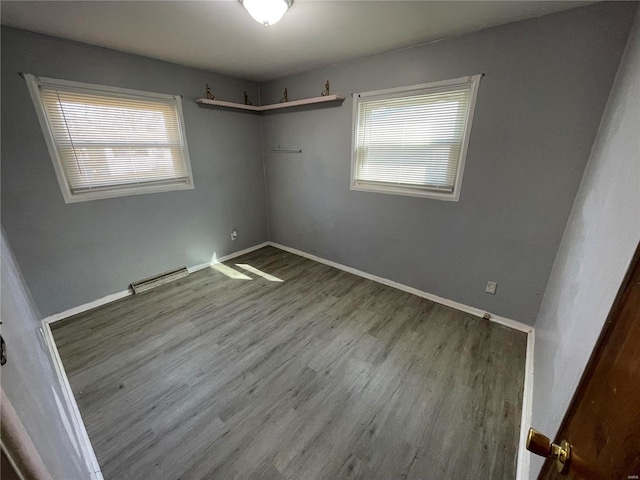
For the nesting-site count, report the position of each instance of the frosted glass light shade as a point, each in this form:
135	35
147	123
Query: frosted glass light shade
267	12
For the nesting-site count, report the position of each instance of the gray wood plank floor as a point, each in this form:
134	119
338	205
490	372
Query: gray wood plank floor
323	375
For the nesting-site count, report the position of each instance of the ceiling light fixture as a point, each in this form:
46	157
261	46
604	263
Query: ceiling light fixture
267	12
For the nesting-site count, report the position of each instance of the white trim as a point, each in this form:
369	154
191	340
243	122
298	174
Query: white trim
524	458
420	86
68	397
467	134
215	260
87	306
116	91
127	191
33	85
185	144
76	419
454	195
199	266
125	293
523	466
408	192
429	296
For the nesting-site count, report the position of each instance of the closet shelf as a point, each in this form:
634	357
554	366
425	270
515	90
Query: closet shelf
275	106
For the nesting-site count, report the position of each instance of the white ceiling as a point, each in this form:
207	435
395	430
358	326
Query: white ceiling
222	37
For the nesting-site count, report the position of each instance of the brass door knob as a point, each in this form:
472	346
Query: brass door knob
540	445
537	443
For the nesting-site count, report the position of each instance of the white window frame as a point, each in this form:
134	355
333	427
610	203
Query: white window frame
454	196
33	84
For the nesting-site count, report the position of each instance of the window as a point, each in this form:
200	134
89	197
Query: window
413	140
111	142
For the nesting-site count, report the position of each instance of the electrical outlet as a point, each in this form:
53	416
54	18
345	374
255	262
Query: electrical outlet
234	234
491	288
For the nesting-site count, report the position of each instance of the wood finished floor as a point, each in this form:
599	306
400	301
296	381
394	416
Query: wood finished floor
324	375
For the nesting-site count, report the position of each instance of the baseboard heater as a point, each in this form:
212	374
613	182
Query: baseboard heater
166	277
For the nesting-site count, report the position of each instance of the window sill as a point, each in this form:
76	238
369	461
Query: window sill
445	196
123	192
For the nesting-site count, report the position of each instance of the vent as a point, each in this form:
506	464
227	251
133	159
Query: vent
166	277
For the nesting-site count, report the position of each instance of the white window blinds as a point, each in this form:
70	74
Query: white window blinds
413	139
113	140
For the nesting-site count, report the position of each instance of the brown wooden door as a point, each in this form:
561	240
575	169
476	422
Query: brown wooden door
603	421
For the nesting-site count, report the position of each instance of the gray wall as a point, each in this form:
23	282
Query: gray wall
537	113
71	254
597	246
29	381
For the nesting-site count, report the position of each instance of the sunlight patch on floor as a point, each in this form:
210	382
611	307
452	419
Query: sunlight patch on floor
230	272
252	269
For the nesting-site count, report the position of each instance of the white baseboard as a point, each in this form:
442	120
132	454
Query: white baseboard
125	293
88	306
524	457
215	260
76	419
68	397
523	327
200	266
429	296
